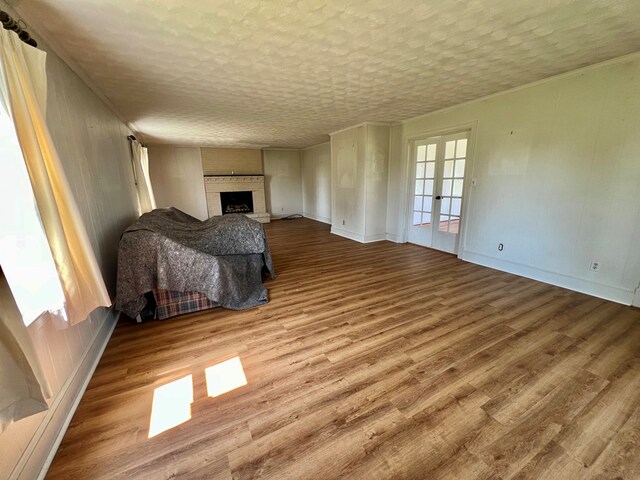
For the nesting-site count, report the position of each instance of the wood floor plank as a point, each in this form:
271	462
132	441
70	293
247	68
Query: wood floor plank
515	401
510	453
383	361
552	463
591	432
620	458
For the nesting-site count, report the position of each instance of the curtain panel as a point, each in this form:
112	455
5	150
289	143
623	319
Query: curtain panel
23	384
140	159
23	91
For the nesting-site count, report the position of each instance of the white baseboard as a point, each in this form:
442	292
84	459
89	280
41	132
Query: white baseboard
608	292
346	234
38	455
375	238
317	218
392	237
357	237
283	215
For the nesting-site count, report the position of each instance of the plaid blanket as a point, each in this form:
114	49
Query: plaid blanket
170	304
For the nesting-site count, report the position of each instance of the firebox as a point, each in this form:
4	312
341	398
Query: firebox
236	202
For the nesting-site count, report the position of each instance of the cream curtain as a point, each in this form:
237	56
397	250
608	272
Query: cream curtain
140	160
23	88
23	385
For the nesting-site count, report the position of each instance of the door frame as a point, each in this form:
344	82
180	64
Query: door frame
409	143
636	298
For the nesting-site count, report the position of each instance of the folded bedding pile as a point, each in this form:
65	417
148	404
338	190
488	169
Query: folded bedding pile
223	258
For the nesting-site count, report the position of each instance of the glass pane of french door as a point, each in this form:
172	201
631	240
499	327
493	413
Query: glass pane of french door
423	176
424	184
455	157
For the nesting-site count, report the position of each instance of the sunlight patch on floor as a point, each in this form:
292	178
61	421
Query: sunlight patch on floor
224	377
171	405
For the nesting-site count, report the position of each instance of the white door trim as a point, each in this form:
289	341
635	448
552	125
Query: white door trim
408	145
636	298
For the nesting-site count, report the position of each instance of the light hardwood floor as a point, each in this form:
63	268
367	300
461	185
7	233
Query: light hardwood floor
374	361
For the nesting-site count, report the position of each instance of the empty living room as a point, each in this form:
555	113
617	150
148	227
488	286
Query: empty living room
320	240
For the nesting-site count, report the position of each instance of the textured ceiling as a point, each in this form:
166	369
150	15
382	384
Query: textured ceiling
286	73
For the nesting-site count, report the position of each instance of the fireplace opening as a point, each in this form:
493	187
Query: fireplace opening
236	202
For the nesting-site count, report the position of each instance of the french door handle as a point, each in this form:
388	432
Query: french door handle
438	197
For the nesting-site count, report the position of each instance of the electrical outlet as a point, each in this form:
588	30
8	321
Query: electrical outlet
595	266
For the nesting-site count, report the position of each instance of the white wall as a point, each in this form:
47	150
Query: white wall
396	189
558	179
94	150
347	183
376	179
177	179
359	165
316	182
283	182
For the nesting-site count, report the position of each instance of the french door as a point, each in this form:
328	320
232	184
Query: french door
438	166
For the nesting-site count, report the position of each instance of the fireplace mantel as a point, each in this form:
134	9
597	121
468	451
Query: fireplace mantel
214	185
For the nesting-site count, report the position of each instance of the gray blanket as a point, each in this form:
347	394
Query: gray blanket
222	257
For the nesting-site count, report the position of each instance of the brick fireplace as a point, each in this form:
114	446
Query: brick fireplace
215	185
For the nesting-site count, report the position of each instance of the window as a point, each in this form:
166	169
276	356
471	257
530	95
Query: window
25	255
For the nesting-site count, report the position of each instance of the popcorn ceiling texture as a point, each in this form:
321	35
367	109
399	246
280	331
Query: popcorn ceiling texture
286	73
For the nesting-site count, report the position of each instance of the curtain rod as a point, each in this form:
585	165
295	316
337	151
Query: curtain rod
10	24
132	138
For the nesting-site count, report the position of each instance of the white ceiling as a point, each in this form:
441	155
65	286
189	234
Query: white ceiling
286	72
